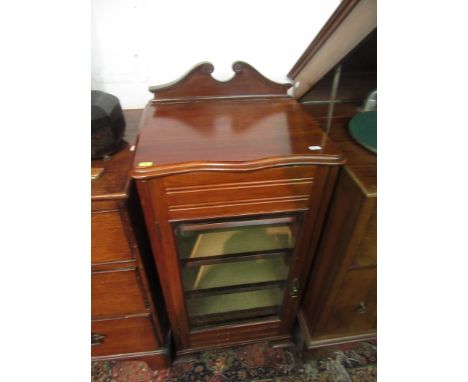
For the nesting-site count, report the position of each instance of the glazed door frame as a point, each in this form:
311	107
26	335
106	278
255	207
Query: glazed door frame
236	261
160	226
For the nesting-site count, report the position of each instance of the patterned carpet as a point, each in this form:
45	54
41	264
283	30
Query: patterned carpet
258	362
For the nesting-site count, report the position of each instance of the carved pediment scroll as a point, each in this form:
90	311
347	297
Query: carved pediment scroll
199	84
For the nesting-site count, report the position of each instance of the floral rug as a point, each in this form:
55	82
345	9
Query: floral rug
257	362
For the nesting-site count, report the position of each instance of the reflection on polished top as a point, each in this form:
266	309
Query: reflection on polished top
228	133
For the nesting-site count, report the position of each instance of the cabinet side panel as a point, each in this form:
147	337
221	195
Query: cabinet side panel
312	225
160	232
146	265
333	248
355	307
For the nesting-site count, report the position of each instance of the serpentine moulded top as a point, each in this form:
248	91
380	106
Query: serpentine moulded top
246	123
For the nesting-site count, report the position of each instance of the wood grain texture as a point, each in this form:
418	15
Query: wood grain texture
199	195
230	135
343	280
116	293
355	306
154	193
206	180
330	339
126	335
198	84
123	283
165	255
307	241
337	287
366	252
108	239
229	152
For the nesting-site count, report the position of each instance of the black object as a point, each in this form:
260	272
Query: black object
107	124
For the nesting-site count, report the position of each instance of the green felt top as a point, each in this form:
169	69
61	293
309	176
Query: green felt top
363	128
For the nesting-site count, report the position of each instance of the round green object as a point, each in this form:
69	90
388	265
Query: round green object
363	128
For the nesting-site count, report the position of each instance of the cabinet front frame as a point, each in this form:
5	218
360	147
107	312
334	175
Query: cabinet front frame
153	195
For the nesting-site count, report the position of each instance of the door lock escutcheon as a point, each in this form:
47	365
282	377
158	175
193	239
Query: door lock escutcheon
294	288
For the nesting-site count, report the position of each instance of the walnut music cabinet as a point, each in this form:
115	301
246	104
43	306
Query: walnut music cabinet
128	319
234	179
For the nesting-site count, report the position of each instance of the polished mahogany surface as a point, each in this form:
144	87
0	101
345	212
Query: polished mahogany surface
198	84
228	134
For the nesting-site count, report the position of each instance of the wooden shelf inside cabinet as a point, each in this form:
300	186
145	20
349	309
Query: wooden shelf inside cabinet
234	240
235	180
245	272
236	288
208	260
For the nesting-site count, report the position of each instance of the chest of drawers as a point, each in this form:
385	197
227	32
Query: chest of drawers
340	304
128	316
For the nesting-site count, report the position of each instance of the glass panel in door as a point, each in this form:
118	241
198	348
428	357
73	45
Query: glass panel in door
235	270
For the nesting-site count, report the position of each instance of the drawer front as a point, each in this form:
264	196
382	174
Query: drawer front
355	308
203	194
108	239
209	178
116	294
222	336
239	192
128	335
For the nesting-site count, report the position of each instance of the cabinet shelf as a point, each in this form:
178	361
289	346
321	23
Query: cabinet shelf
218	242
247	272
234	306
209	260
200	321
235	288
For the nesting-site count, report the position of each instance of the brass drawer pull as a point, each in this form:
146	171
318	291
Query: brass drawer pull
362	308
97	339
294	288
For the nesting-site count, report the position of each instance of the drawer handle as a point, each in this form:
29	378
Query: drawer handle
97	339
294	288
362	308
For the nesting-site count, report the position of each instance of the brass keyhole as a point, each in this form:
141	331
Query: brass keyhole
294	288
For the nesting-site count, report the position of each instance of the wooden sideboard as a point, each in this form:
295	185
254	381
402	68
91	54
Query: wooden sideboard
340	304
128	314
235	180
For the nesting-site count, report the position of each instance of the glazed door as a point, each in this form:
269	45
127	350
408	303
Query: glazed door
236	271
